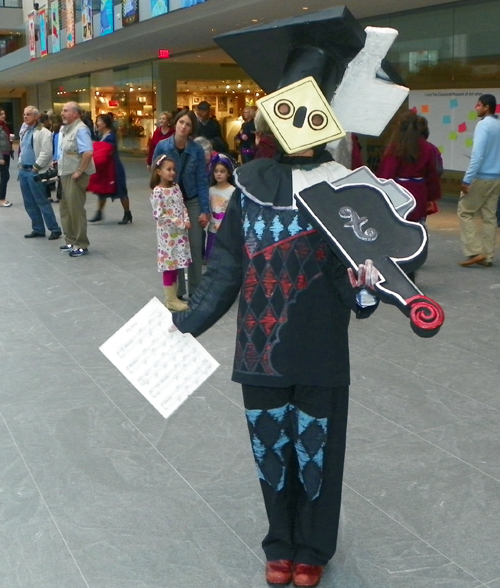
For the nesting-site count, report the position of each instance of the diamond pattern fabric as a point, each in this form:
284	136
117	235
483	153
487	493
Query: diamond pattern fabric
284	256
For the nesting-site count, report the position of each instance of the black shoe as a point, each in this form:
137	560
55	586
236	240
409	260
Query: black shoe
98	216
65	248
127	218
33	234
54	235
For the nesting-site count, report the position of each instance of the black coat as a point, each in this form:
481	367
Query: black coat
295	301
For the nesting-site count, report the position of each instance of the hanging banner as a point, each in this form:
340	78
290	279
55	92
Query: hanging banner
106	17
188	3
130	12
87	22
159	7
70	23
42	23
31	34
55	26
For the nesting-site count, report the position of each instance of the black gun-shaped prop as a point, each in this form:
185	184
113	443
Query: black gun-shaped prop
359	222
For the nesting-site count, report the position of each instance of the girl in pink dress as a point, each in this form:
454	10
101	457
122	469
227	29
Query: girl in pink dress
172	224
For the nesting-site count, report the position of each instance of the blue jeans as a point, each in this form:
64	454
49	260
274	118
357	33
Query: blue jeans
37	206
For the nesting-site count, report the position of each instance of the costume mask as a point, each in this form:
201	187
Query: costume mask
300	116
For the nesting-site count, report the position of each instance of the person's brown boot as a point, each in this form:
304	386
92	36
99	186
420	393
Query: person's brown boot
473	259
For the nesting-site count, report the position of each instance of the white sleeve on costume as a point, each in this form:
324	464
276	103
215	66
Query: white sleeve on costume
326	172
364	103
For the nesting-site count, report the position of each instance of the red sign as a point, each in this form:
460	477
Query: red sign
163	53
114	103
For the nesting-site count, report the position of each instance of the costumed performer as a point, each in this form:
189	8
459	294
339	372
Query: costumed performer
296	297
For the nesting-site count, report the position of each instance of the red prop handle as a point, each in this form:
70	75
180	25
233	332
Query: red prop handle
426	316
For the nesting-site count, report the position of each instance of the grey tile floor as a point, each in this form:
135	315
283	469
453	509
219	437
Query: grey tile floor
97	490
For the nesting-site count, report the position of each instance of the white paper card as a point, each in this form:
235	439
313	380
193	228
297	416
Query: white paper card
166	367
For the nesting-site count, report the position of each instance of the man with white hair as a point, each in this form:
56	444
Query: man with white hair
75	166
35	157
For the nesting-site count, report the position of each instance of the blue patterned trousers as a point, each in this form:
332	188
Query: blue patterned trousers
298	440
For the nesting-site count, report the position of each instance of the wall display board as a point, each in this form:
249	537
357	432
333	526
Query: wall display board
452	119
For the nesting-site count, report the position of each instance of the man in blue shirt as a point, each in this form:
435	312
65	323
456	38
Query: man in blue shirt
481	187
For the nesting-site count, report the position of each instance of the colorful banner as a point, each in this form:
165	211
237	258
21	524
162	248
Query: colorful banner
42	23
130	12
70	23
159	7
55	26
87	22
106	17
31	34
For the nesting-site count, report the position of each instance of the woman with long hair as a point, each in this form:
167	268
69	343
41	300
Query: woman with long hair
109	181
411	162
190	164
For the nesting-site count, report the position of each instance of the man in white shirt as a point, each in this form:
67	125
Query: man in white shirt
35	157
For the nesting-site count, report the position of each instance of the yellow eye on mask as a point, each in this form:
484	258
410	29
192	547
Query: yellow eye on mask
300	117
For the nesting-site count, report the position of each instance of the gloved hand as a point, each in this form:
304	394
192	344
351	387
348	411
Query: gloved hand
364	283
368	276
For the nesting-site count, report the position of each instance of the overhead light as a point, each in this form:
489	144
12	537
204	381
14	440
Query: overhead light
257	94
227	86
239	85
248	91
131	89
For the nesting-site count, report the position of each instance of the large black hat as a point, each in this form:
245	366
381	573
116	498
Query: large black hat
319	44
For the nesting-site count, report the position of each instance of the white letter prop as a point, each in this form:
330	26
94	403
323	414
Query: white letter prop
165	366
364	103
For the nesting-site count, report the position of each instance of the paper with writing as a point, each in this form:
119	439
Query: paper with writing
166	367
